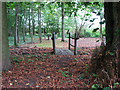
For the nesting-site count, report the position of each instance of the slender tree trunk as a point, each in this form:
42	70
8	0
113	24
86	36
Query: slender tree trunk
44	33
18	32
15	35
75	24
29	23
30	30
33	27
63	31
82	24
39	23
58	26
24	26
101	29
4	47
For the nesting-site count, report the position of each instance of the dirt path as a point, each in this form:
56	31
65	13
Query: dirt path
82	42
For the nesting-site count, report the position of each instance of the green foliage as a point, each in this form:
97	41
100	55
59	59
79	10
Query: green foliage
111	53
63	73
87	34
95	86
51	17
16	60
115	84
94	30
106	88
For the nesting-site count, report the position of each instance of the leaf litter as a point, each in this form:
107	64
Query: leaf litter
39	68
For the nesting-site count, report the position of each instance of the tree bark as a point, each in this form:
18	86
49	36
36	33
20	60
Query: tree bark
6	64
112	17
39	23
29	22
33	27
30	30
24	26
101	29
18	32
75	24
44	33
58	25
15	35
25	23
63	31
107	58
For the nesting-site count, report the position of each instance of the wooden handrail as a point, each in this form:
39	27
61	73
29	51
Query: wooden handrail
75	43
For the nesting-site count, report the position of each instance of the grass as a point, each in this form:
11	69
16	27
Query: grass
21	42
45	42
48	43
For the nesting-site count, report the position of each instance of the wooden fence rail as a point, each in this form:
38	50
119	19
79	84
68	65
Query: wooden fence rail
53	41
75	43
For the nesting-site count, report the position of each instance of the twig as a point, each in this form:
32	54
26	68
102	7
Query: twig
108	77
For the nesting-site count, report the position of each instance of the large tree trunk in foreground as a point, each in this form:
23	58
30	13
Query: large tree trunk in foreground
112	17
63	31
6	64
105	61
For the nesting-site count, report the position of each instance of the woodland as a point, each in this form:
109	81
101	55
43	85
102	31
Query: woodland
28	58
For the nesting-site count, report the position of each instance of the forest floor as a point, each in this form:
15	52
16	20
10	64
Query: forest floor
37	67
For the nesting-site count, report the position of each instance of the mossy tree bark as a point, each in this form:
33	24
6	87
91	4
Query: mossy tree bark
6	64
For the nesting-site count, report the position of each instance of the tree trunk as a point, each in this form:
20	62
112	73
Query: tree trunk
58	25
6	64
115	27
44	33
112	12
106	60
18	32
24	26
33	27
81	25
25	23
15	35
29	23
75	24
109	24
101	29
39	23
63	31
30	30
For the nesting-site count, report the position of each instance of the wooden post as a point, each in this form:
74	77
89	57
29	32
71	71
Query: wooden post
53	39
69	42
75	45
48	37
